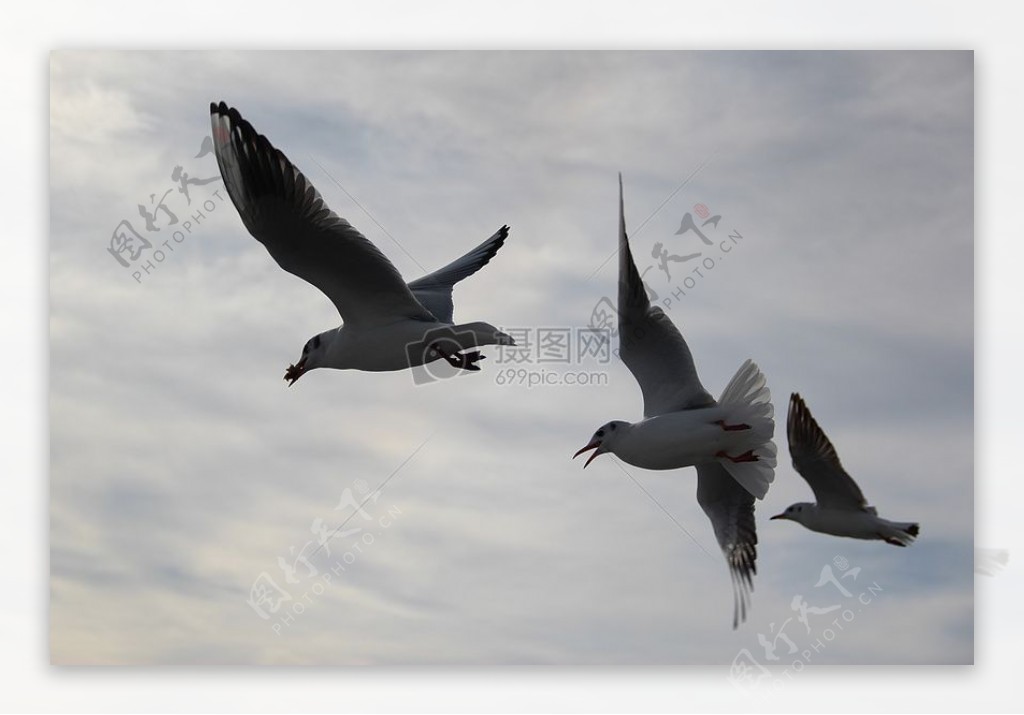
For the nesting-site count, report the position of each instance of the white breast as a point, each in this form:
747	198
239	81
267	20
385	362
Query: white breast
855	524
681	439
380	348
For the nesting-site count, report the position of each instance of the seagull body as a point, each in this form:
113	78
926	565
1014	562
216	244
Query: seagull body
686	438
397	346
841	509
852	524
388	324
729	440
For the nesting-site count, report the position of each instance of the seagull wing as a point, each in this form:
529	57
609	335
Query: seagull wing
730	508
649	343
285	213
816	460
434	290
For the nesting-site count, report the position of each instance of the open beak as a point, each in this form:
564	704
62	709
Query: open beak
595	445
294	372
778	516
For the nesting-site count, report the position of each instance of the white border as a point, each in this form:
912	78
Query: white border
32	30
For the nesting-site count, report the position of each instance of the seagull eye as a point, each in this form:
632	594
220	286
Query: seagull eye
600	433
316	341
614	426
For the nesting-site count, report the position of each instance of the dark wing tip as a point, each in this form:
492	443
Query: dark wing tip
493	245
742	568
633	300
236	124
810	447
796	407
258	168
731	508
220	108
242	133
498	242
803	431
237	121
809	432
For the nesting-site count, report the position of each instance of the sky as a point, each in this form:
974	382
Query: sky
184	472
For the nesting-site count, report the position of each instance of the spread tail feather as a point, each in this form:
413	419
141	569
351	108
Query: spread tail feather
755	475
901	533
750	402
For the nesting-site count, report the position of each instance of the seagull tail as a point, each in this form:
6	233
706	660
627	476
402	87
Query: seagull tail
749	402
900	533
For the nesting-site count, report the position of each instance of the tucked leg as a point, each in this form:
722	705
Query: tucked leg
463	361
731	428
747	456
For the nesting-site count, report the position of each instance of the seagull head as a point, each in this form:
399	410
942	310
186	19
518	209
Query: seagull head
603	440
313	353
796	512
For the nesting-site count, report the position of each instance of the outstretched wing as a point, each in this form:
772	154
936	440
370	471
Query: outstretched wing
649	343
285	213
434	290
730	508
816	460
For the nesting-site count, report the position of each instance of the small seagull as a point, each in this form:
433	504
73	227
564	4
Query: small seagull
388	324
729	441
841	509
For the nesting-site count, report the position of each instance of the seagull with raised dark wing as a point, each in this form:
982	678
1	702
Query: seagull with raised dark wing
841	509
728	440
388	324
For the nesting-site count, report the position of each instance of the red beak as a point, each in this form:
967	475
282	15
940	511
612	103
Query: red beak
593	445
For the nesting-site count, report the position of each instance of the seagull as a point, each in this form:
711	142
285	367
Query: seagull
729	441
841	509
387	323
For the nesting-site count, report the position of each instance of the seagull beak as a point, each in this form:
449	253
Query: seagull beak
294	372
778	516
595	445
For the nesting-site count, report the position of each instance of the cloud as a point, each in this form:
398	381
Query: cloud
182	468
